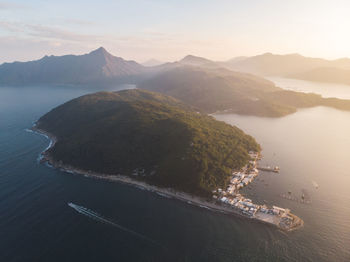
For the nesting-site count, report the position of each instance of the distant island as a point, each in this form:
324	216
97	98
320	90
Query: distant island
156	142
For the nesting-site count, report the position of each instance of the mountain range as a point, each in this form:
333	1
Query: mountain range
101	67
207	85
284	65
290	66
96	67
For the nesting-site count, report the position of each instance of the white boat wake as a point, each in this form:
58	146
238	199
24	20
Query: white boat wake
29	130
91	214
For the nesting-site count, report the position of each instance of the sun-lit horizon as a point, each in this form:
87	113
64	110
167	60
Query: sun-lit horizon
167	31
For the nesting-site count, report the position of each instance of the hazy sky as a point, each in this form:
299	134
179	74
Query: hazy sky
170	29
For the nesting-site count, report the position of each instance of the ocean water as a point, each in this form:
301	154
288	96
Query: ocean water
324	89
37	224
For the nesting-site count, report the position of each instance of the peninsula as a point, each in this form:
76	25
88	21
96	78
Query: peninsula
160	144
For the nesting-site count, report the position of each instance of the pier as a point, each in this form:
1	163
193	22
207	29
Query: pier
232	199
275	169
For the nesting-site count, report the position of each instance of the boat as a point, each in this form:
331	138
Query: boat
315	184
275	169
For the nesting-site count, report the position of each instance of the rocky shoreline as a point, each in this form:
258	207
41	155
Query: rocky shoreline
165	192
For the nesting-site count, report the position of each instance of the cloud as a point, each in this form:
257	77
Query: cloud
58	40
48	32
58	33
79	22
11	26
17	48
9	6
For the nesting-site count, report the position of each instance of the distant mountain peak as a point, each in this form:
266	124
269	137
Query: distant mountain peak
98	66
101	51
295	54
278	55
195	60
267	54
190	57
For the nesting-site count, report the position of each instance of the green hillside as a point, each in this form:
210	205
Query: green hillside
135	131
213	90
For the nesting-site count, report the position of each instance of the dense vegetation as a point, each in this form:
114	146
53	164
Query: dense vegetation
212	90
159	138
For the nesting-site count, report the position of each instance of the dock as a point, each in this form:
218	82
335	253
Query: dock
232	201
275	169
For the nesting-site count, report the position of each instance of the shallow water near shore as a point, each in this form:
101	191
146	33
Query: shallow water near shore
36	224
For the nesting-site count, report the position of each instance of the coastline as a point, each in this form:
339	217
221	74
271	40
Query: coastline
193	200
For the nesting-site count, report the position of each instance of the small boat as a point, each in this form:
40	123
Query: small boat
315	184
276	169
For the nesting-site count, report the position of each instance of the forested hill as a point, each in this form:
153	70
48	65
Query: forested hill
212	90
153	136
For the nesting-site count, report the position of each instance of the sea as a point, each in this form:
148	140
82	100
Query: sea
49	215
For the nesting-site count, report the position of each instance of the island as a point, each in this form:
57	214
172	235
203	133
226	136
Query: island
158	143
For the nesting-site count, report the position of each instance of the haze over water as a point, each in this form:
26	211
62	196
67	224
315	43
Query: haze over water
36	224
324	89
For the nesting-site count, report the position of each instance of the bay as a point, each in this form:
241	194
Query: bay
36	223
